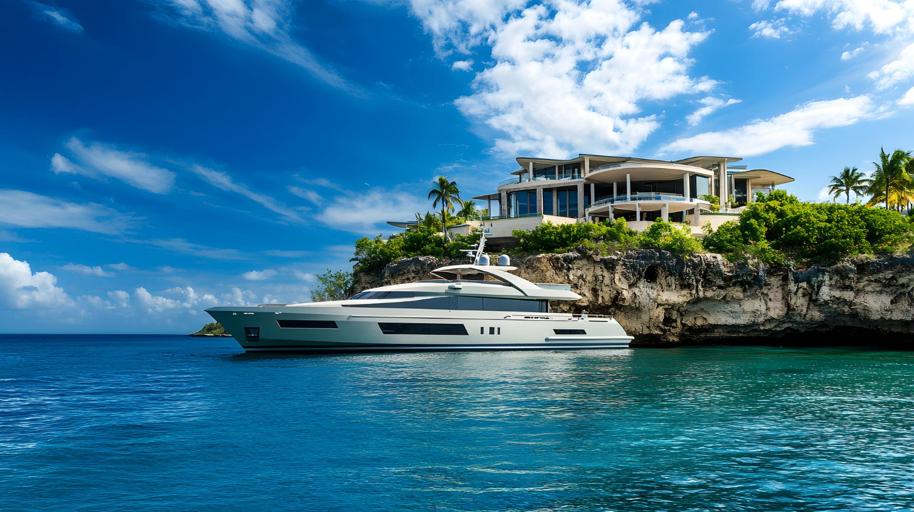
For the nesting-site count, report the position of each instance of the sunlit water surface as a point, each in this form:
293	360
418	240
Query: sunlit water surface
166	423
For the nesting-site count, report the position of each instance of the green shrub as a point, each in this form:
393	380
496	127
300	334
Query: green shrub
669	237
779	228
557	238
714	200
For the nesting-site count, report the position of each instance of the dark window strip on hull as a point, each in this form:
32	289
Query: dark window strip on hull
307	324
570	331
426	329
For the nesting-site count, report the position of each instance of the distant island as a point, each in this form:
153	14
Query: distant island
211	329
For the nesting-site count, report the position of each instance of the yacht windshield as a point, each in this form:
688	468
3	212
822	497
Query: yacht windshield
367	295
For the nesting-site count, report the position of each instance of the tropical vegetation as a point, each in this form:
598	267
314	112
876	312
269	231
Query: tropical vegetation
850	180
780	229
332	285
891	182
446	194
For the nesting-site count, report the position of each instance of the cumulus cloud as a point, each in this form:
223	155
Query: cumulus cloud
847	55
259	275
261	24
87	270
883	16
559	75
57	16
102	160
709	105
899	69
792	129
462	65
769	29
28	210
908	98
20	288
225	182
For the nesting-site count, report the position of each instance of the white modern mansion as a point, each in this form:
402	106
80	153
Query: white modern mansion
640	190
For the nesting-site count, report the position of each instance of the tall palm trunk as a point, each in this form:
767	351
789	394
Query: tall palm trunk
444	224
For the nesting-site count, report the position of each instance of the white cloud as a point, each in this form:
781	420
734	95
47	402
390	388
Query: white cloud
559	77
95	160
21	289
58	16
307	194
908	98
225	182
194	249
259	275
86	270
462	65
847	55
900	69
792	129
709	105
119	298
119	266
367	212
461	24
28	210
186	299
262	24
769	29
883	16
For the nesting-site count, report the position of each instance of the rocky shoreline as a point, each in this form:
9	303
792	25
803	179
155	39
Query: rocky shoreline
662	299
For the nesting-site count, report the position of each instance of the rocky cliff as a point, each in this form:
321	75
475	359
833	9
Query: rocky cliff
661	298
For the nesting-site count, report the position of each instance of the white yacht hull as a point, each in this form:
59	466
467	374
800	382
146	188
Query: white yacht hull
335	329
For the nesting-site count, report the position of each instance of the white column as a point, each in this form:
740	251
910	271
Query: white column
611	216
503	204
615	192
685	186
539	200
530	171
722	190
489	199
665	212
628	187
587	169
748	190
696	217
556	172
593	193
580	200
637	212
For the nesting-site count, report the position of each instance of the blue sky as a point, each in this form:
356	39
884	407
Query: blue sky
161	157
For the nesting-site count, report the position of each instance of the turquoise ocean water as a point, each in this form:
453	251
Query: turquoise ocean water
177	423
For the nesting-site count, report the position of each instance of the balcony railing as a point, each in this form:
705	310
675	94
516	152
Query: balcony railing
525	178
646	196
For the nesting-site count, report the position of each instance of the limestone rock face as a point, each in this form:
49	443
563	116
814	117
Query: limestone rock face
658	297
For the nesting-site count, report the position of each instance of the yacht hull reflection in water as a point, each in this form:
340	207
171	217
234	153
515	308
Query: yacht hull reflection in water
466	307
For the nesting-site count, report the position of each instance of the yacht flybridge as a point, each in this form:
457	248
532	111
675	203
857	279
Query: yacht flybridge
465	307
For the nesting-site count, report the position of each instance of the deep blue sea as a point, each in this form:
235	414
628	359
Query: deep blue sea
178	423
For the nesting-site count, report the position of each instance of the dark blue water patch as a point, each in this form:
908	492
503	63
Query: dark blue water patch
165	423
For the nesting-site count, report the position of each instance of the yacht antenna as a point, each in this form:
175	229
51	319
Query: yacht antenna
477	252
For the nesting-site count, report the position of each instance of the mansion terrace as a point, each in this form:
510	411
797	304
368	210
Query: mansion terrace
640	190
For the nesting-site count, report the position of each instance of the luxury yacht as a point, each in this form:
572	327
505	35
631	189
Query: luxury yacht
465	307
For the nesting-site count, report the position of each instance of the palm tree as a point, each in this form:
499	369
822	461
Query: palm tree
850	180
467	210
445	193
890	177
